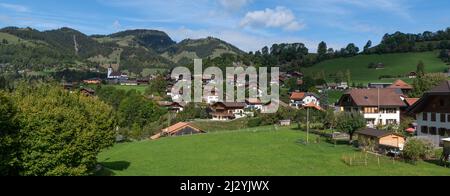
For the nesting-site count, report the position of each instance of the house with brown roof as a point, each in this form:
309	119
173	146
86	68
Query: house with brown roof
432	113
172	106
87	91
93	81
378	139
179	129
227	110
300	99
379	106
403	86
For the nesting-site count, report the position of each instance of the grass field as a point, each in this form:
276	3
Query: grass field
396	65
257	152
140	88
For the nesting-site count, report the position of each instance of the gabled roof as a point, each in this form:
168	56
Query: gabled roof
400	84
313	105
440	90
374	97
181	125
375	133
301	95
411	101
231	104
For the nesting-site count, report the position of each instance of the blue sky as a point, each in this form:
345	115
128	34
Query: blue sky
248	24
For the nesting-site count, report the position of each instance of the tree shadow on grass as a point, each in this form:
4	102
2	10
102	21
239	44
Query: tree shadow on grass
438	163
109	168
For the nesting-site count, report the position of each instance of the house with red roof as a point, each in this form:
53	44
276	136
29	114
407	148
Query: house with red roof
300	99
403	86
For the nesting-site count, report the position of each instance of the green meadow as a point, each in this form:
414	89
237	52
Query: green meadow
397	65
263	151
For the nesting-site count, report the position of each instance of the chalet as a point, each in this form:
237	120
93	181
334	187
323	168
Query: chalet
93	81
227	110
172	106
379	85
379	139
255	104
379	106
403	86
300	99
412	75
87	91
178	129
432	113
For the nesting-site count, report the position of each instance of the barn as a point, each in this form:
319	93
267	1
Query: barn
380	139
179	129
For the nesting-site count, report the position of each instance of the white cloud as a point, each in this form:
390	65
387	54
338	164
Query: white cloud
15	7
116	25
234	4
279	17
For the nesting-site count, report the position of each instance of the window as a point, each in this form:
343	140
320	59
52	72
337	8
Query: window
424	129
448	118
448	132
390	111
443	118
425	116
371	110
433	117
433	131
442	132
391	121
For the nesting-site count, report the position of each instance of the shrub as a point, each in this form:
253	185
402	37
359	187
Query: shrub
418	149
254	122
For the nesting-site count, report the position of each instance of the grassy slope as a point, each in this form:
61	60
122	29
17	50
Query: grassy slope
396	64
14	39
260	152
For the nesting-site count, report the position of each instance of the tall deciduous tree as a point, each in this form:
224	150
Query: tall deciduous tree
8	135
367	46
350	123
322	49
61	132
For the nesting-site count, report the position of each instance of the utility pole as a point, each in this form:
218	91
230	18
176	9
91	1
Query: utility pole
307	125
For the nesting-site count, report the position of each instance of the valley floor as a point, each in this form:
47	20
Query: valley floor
263	151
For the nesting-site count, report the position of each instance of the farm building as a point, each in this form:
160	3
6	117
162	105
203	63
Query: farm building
179	129
380	139
432	113
285	122
403	86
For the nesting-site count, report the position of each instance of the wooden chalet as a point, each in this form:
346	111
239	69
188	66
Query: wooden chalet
227	110
179	129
